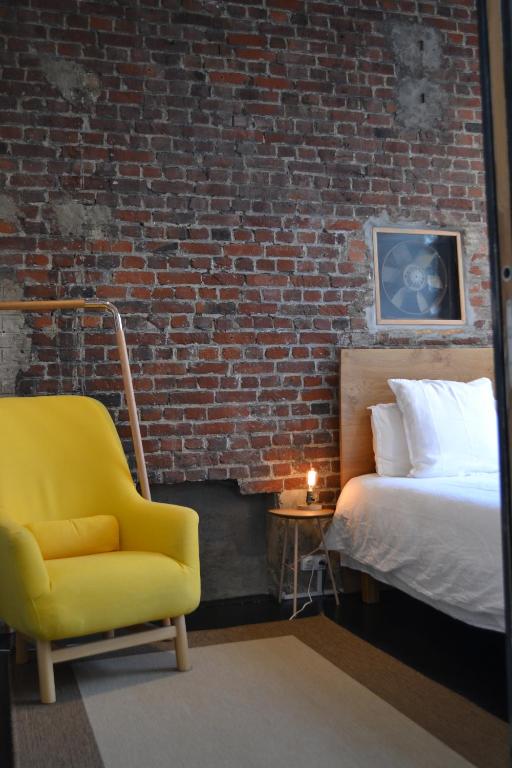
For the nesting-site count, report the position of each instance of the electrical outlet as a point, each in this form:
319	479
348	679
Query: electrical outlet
313	563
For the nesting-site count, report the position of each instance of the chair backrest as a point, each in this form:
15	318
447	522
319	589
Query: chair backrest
60	457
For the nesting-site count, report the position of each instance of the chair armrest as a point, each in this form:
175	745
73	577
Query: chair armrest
150	526
23	574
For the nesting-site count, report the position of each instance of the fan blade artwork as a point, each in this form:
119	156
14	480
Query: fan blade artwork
425	257
420	276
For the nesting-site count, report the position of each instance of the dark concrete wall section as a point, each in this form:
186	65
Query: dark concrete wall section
15	341
232	535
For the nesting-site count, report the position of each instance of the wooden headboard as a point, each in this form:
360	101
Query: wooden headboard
363	382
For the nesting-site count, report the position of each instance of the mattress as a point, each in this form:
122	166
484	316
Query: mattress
438	539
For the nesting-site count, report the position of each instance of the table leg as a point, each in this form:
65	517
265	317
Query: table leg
283	559
295	564
329	567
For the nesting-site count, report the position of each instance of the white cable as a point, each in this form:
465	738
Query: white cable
309	602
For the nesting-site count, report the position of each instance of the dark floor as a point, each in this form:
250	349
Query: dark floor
468	660
5	721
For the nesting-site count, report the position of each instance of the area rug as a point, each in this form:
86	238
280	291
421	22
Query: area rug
288	693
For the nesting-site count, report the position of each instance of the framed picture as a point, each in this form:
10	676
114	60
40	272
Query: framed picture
418	277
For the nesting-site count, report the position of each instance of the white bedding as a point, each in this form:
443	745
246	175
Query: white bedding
439	539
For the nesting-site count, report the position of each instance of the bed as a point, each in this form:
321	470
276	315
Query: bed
438	539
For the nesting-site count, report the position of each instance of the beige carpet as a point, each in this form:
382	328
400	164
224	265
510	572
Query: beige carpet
60	736
252	704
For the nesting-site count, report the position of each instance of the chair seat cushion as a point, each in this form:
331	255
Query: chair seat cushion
76	537
98	592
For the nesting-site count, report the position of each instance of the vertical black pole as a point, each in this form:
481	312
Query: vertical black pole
498	265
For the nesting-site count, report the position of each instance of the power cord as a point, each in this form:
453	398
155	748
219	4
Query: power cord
310	599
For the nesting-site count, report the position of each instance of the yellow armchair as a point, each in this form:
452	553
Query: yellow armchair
61	459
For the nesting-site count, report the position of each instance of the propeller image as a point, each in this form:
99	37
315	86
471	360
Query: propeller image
414	279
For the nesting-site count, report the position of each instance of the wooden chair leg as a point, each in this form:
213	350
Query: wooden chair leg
45	670
21	649
181	644
166	622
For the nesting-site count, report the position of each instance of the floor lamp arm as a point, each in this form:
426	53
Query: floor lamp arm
106	306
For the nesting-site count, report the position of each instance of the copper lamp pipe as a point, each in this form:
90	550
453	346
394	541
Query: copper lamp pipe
41	306
106	306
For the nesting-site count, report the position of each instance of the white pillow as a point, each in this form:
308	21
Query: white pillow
389	441
450	426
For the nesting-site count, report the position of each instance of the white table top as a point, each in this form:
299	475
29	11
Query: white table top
298	514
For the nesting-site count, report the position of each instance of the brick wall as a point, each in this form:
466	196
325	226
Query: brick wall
214	169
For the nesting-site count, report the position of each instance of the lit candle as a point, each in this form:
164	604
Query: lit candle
312	478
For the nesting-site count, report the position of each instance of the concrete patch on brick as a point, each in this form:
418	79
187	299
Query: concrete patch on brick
475	241
421	103
8	210
15	338
420	91
72	80
417	48
476	275
75	219
386	220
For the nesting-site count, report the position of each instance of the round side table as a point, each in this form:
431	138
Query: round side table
295	516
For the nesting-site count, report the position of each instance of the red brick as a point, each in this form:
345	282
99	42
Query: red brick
229	78
138	277
209	248
284	250
6	228
240	183
247	40
275	83
255	54
342	224
288	5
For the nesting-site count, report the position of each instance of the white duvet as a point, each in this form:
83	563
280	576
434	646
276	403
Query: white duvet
439	539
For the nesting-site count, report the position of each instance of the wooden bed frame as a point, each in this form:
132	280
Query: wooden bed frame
363	382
